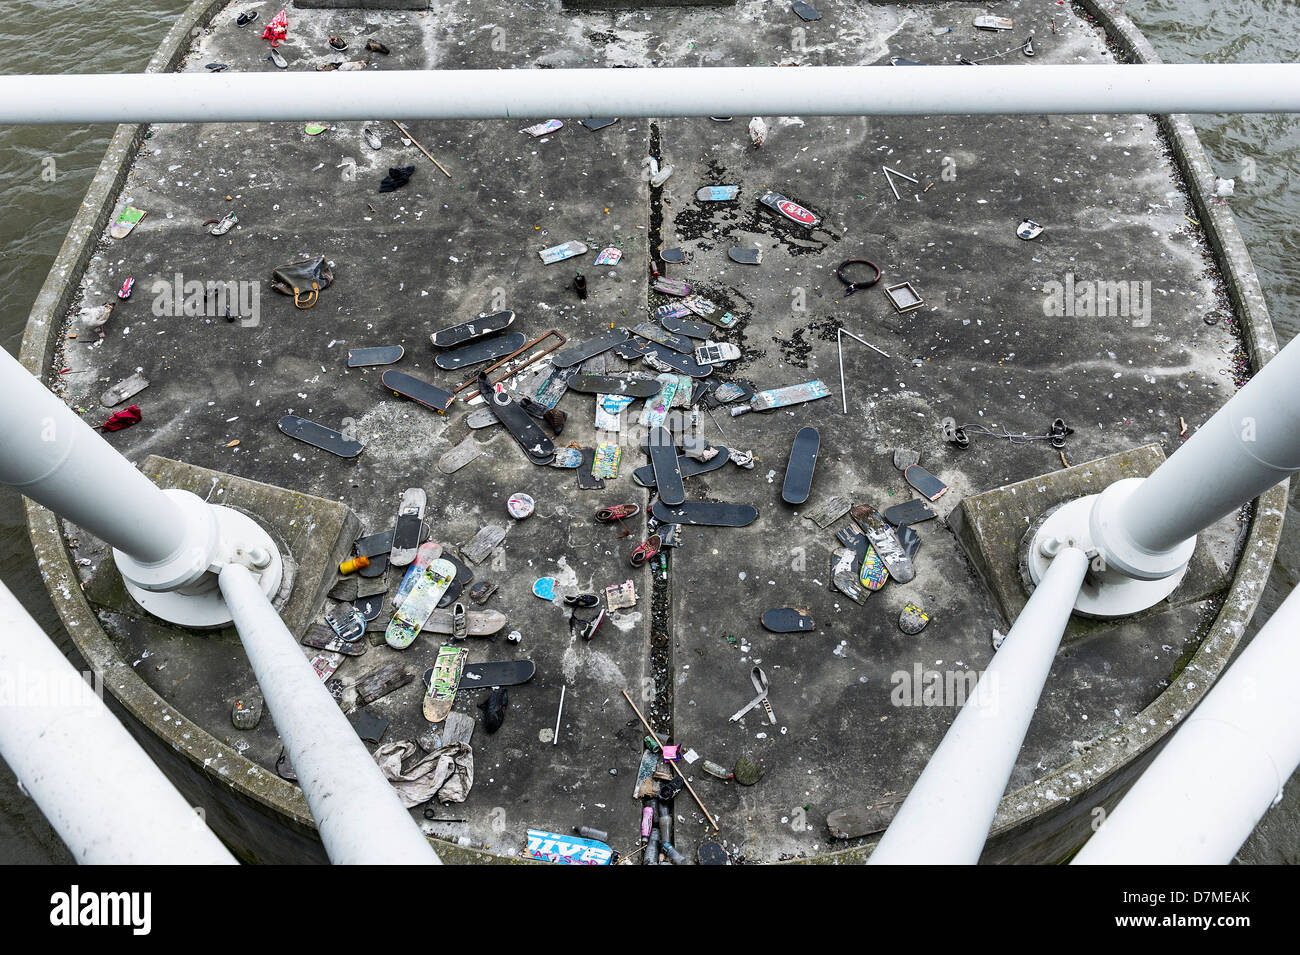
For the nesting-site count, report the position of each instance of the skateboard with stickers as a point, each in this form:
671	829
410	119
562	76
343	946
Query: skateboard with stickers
485	349
319	436
419	604
526	431
475	328
444	680
789	395
799	470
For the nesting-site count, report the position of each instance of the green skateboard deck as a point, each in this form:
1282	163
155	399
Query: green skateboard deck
444	682
420	604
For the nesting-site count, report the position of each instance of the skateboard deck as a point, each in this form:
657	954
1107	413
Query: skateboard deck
496	673
657	333
127	388
481	418
526	432
600	123
799	470
789	209
912	619
587	479
323	638
482	544
379	355
686	364
419	604
126	220
645	475
475	328
929	486
668	472
637	387
319	436
481	623
325	663
406	533
425	556
909	512
373	545
874	573
369	607
567	458
844	576
554	387
884	541
788	620
459	456
717	193
464	576
682	326
483	350
421	392
570	355
378	565
707	513
789	395
710	312
565	250
443	683
745	255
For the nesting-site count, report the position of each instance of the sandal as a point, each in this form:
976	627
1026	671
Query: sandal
608	515
645	550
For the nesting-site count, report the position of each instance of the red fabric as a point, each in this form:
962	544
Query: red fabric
275	30
122	419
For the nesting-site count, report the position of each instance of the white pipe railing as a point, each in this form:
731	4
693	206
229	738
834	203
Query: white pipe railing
673	91
357	812
1205	792
109	804
946	817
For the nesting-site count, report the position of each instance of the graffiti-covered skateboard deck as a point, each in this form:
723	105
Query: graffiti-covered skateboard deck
443	683
419	604
799	470
709	513
319	436
485	349
475	328
668	472
421	392
789	395
884	541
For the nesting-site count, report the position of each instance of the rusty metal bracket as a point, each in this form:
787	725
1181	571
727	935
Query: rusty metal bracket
526	347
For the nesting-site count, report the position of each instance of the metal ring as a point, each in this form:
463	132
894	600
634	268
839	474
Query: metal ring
854	286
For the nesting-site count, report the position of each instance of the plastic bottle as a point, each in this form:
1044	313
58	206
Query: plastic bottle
353	565
713	769
587	832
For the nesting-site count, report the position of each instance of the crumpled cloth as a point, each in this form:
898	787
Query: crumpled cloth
277	29
397	177
122	419
446	774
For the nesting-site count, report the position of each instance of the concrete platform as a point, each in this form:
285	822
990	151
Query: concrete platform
442	250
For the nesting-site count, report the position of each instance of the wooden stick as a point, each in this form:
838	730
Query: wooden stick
655	736
407	133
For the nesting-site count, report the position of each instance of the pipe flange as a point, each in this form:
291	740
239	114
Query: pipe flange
1118	549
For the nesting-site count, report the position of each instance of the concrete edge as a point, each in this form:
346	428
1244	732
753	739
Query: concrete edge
1105	757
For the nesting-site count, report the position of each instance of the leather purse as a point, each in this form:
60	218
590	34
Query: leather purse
303	280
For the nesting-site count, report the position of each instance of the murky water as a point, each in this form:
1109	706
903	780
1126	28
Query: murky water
54	36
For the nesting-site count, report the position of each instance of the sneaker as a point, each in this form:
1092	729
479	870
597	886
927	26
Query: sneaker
645	550
276	58
607	515
338	43
245	18
459	622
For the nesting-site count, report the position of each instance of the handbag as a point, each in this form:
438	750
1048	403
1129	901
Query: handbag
303	280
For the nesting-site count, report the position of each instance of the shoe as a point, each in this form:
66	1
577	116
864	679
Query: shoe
645	550
338	43
374	46
582	600
372	139
607	515
555	418
276	58
245	18
459	622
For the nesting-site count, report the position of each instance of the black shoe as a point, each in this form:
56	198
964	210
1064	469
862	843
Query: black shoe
245	18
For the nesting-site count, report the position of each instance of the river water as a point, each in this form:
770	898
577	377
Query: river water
55	36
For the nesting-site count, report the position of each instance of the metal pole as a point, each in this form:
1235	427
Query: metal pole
676	91
109	804
358	814
59	461
947	816
1207	789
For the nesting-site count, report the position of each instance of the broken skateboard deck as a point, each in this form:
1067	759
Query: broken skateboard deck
496	673
683	326
126	220
912	619
459	456
789	395
406	533
476	328
480	623
844	576
788	620
708	513
645	475
321	637
638	387
444	680
799	470
127	388
379	355
421	392
568	458
319	436
909	512
526	432
884	541
662	336
929	486
419	604
481	418
570	355
480	351
668	472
